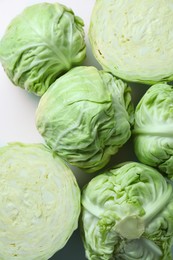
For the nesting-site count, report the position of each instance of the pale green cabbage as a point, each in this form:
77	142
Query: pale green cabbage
41	44
153	130
39	202
127	214
134	39
86	116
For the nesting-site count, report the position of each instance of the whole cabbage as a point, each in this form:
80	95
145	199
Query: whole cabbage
41	44
39	202
85	116
133	39
153	129
127	214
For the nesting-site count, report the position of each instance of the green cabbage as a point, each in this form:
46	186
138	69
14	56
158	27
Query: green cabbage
86	116
39	202
134	39
41	44
127	214
153	130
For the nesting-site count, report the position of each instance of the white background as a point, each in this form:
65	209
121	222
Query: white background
17	107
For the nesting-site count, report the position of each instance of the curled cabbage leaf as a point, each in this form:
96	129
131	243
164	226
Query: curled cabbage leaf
134	39
127	214
39	202
86	116
153	129
41	44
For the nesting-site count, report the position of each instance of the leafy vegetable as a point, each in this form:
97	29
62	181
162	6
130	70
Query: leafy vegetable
86	116
41	44
39	202
127	214
133	39
153	139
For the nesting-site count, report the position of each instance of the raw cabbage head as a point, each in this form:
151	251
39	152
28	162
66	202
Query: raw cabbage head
86	116
41	44
39	202
153	130
134	39
127	214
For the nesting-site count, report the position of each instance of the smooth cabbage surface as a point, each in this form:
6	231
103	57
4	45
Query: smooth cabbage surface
127	214
41	44
134	39
153	134
39	202
86	116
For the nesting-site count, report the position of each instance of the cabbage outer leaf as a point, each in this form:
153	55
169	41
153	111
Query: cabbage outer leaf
127	214
86	116
41	44
153	134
